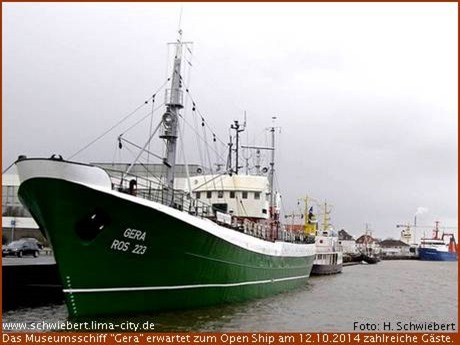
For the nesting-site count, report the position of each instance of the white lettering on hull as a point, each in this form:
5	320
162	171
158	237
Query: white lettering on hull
134	234
124	246
120	245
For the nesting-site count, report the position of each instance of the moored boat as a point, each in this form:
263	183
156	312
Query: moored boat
369	247
329	252
440	247
329	256
129	244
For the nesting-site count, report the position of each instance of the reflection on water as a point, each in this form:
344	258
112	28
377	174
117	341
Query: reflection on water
390	291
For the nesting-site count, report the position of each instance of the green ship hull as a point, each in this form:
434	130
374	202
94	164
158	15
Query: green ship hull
120	255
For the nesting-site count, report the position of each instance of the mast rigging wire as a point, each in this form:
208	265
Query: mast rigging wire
204	122
139	147
160	182
9	167
119	122
198	136
143	118
143	149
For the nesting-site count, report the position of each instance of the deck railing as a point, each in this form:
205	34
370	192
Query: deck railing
152	189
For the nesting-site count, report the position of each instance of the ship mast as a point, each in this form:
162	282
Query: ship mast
310	223
326	218
271	173
436	231
271	176
173	101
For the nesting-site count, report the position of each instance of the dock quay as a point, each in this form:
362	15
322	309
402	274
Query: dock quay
399	257
30	282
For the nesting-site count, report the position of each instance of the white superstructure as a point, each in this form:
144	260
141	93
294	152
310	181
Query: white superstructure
238	195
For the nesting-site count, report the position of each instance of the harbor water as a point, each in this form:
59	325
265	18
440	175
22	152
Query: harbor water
392	294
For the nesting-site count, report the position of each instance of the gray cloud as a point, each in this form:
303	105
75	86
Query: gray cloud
366	94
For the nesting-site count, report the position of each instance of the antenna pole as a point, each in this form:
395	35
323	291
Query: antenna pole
229	159
180	17
238	129
237	126
258	162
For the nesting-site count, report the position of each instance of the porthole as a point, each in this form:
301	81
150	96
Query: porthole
92	225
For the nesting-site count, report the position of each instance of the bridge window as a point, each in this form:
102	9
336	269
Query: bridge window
257	195
198	195
220	208
245	195
209	195
220	194
232	194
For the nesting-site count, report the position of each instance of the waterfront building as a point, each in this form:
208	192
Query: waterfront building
396	249
348	243
16	220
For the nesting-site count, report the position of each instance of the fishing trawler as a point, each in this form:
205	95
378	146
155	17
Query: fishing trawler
130	244
436	248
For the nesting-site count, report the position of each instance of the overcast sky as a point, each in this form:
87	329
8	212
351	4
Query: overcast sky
365	93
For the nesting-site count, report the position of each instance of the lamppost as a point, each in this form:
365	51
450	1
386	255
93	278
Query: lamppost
13	225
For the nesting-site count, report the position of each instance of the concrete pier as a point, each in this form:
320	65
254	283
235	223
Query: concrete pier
29	281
